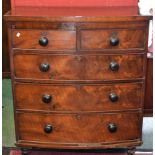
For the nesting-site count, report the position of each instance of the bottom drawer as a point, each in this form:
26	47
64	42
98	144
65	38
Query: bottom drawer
78	128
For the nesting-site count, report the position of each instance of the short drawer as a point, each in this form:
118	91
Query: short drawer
103	97
40	39
112	39
79	128
78	67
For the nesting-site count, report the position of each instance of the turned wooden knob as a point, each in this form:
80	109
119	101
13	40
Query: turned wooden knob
43	41
46	98
48	128
44	67
113	97
114	66
114	41
112	127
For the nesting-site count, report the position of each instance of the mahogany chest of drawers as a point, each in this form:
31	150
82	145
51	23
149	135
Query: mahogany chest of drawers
78	81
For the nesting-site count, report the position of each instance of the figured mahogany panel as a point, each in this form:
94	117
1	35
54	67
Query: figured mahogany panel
100	39
78	67
79	97
78	128
57	39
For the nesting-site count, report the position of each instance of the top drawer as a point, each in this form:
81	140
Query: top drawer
115	39
40	39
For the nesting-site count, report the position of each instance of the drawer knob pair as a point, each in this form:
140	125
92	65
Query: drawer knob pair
48	128
43	41
114	66
46	98
112	127
113	97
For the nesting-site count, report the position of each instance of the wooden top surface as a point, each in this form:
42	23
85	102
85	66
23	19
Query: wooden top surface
75	14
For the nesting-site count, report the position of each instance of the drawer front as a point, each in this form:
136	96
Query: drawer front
39	39
112	39
76	128
106	97
78	67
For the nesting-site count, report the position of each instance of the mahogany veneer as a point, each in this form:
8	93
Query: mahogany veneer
83	132
79	78
56	39
76	97
78	67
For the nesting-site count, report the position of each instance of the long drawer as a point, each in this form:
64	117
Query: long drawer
78	67
101	97
78	128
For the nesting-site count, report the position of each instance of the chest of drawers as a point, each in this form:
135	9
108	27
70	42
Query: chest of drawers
78	81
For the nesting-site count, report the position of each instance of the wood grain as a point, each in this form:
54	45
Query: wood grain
100	39
57	40
78	67
79	97
78	128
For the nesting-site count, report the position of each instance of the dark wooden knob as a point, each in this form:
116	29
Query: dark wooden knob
43	41
44	67
114	41
113	97
48	128
46	98
112	127
114	66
